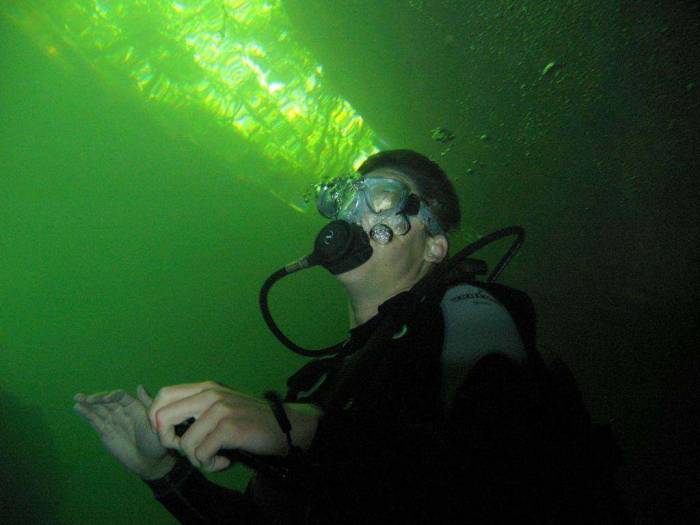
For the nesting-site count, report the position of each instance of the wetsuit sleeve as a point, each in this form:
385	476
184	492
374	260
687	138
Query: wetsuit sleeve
193	499
476	325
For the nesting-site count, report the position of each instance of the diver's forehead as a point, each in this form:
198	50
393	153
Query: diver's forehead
389	173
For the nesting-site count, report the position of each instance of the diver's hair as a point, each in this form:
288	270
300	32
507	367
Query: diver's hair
429	178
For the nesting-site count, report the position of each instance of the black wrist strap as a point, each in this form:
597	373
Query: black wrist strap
282	420
171	482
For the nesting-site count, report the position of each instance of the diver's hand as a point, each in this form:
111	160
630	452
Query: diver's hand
226	419
123	426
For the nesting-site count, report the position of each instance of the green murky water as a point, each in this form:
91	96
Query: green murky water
132	253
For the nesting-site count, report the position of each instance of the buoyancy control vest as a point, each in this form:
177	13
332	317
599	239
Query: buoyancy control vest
402	396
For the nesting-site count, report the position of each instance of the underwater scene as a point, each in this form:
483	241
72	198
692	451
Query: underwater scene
160	159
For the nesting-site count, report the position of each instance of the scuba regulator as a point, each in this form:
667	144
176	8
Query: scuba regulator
340	247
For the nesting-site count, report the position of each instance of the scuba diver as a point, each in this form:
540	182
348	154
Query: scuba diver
428	412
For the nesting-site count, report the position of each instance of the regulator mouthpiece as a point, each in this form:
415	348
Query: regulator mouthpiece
341	247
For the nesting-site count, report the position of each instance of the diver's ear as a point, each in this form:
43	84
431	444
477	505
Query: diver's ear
436	248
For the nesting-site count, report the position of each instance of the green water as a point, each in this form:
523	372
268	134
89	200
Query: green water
129	256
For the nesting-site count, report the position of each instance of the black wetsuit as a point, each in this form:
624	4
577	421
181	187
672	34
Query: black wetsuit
405	447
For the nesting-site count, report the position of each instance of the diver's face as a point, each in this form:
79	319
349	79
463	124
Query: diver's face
402	257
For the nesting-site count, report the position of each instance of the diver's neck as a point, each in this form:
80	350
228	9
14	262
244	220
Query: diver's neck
365	300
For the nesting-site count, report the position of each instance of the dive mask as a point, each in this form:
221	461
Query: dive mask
381	205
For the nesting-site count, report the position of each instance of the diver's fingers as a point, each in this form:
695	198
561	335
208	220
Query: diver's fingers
96	421
144	396
174	393
125	400
102	411
114	397
96	397
104	397
101	397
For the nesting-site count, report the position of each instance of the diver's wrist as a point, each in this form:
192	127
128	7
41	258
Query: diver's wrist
160	469
304	418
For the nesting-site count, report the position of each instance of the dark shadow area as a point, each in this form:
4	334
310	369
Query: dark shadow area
31	485
575	120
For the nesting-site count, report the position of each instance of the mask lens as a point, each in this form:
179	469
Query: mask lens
326	204
335	195
368	202
384	195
